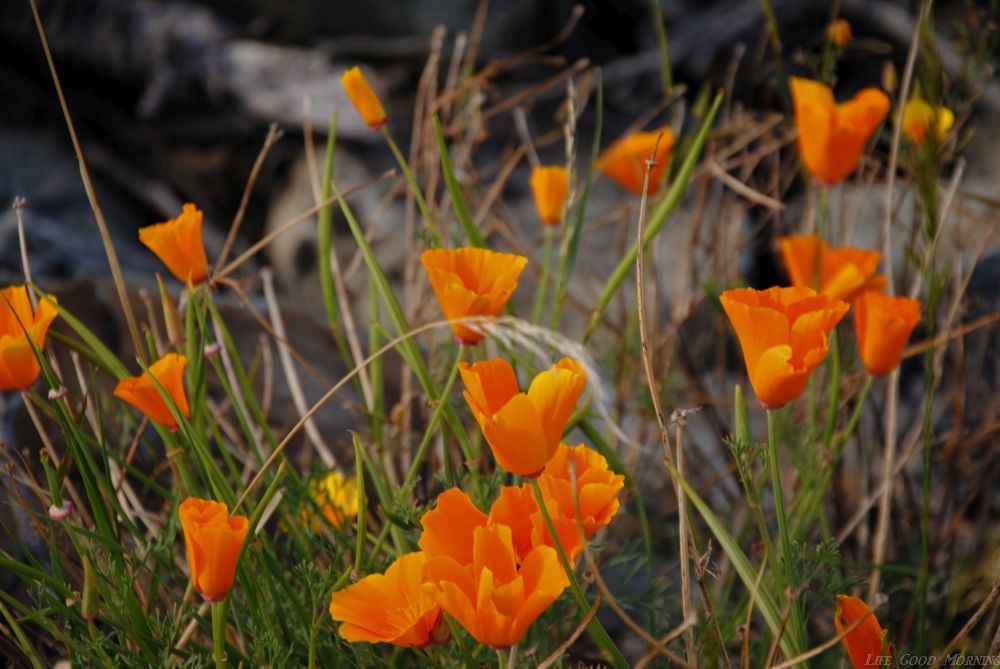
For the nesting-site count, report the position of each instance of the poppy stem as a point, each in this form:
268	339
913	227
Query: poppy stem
219	633
795	616
536	313
411	475
594	627
418	195
834	393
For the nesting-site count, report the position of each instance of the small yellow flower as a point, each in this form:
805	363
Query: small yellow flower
918	116
336	497
839	33
364	98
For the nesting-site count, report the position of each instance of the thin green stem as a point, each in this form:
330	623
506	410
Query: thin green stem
666	69
786	553
411	475
456	634
543	280
594	627
219	634
29	650
362	531
833	403
411	179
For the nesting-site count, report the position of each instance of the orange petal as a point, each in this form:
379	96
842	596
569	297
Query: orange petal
865	641
550	186
625	160
363	98
882	325
449	527
178	243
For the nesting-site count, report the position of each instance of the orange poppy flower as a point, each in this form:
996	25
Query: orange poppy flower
864	644
212	538
839	33
448	527
783	333
493	598
522	429
832	136
364	98
882	325
550	186
471	282
919	116
140	392
18	322
625	160
597	497
389	608
844	272
178	244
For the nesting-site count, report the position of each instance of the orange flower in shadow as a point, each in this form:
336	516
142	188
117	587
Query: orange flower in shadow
522	429
20	326
550	186
363	98
783	333
839	33
864	643
389	608
883	325
625	160
832	136
494	598
140	392
844	272
471	282
178	244
597	497
212	539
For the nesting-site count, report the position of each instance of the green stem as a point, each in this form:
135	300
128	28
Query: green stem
418	195
833	403
923	570
29	650
219	634
594	627
362	531
377	366
456	634
666	69
536	312
411	475
795	616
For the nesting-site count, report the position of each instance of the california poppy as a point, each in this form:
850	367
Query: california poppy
140	392
494	598
522	429
364	98
783	333
336	497
625	160
212	538
832	136
178	244
597	490
844	272
18	323
864	643
550	186
839	33
471	282
448	527
919	117
882	325
389	608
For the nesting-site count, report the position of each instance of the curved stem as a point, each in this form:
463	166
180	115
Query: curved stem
536	312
